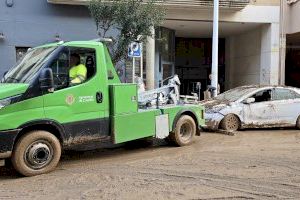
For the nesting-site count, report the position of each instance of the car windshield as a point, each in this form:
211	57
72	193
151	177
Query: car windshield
29	65
234	94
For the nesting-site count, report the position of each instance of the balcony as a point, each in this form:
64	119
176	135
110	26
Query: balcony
191	4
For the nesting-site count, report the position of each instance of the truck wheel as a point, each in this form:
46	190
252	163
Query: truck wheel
230	123
185	131
37	152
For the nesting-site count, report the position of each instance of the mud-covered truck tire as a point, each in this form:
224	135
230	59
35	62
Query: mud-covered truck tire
230	123
185	131
36	152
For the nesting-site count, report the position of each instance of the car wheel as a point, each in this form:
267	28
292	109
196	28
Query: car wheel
298	123
230	123
185	131
37	152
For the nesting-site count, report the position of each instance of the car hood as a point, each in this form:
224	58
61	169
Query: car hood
12	89
214	103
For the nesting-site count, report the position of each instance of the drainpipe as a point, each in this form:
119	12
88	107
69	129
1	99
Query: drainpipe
215	46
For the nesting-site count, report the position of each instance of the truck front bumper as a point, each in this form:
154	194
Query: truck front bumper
7	140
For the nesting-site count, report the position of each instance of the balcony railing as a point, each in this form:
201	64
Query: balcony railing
225	4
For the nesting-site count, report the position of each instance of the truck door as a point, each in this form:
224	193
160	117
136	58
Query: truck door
81	108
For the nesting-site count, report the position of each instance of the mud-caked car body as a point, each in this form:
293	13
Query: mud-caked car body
253	107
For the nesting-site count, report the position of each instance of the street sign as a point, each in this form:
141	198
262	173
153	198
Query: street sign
135	50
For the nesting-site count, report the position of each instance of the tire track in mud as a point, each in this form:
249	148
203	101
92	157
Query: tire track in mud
215	167
254	188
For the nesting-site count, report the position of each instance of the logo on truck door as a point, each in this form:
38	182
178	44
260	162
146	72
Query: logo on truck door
70	99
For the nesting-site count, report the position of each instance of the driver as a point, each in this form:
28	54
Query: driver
78	71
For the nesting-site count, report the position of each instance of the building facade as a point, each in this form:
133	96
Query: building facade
25	24
291	42
248	45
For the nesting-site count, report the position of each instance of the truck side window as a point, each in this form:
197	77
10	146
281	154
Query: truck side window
73	66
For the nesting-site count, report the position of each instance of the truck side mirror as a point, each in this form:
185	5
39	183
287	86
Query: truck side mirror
46	80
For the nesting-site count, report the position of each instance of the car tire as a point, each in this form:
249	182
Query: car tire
298	123
185	131
230	123
36	152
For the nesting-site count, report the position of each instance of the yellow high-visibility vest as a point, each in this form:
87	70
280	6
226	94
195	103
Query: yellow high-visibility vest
78	74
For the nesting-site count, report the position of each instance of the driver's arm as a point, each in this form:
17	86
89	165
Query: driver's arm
80	76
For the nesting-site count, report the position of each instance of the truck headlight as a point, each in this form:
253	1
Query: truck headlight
8	101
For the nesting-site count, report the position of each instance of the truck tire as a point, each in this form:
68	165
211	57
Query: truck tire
185	131
230	123
36	152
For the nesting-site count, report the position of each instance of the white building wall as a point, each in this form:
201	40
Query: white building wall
292	16
244	59
253	57
269	70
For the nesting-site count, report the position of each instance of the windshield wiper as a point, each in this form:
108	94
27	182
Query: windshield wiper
12	78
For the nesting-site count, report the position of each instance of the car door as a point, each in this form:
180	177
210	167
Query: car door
287	104
81	109
261	112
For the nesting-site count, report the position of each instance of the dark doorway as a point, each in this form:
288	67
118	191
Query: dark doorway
292	62
193	63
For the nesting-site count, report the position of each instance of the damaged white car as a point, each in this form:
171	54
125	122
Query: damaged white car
253	107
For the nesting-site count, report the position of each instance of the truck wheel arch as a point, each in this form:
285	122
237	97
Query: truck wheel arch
189	113
47	125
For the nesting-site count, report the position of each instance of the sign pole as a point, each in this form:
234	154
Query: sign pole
141	61
133	68
214	66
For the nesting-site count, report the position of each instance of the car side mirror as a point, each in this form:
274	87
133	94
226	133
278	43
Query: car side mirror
249	100
46	80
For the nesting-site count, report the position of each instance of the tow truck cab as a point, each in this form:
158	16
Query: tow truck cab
41	113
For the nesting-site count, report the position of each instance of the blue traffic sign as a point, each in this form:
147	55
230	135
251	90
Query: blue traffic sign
135	49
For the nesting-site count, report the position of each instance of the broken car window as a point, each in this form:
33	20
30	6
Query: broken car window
261	96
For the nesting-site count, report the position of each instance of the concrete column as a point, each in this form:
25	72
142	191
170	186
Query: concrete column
150	61
269	69
229	62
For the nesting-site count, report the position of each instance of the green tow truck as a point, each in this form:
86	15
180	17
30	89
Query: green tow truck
41	113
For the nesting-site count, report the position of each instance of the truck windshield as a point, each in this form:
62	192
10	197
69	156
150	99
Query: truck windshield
27	68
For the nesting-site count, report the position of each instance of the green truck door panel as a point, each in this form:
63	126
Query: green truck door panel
78	110
73	104
127	127
83	116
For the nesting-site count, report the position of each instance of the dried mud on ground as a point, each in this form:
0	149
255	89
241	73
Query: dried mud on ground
251	165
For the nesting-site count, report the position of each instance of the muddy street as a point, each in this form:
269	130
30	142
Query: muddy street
250	165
